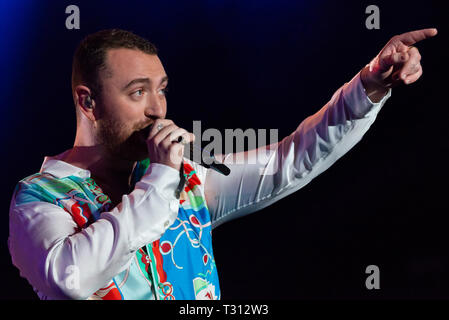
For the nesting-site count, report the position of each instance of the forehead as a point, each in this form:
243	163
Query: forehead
127	64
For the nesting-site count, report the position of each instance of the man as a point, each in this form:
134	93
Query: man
103	220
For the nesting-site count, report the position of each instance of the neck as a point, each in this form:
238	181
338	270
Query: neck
107	170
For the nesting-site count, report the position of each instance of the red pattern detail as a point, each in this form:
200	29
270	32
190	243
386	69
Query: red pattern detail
187	168
193	180
158	256
112	294
94	187
194	220
81	214
145	259
166	247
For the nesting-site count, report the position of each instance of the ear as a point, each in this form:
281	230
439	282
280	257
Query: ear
84	101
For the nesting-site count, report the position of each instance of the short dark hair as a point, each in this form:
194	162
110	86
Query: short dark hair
90	55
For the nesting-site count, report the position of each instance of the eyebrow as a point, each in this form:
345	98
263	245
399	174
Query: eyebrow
143	80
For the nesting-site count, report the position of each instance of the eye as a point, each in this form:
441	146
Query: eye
163	91
138	93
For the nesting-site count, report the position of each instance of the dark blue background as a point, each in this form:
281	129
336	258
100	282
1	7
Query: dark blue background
263	64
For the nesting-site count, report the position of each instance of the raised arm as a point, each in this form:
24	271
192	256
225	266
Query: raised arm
319	141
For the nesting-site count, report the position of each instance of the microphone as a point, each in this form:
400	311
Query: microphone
196	154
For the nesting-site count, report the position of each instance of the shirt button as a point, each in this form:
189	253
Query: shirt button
174	205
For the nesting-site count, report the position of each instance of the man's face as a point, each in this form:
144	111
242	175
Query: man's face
133	96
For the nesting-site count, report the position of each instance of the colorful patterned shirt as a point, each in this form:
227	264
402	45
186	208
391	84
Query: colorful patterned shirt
68	242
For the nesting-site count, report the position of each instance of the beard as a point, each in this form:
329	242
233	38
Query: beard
123	141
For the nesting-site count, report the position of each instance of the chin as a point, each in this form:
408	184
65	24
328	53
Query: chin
132	148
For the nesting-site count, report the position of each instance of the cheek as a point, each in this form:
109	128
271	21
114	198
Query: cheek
123	111
130	114
113	124
163	105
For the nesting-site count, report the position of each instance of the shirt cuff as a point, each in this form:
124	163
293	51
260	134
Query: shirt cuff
355	97
163	178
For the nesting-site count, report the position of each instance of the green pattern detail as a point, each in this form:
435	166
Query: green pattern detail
142	266
199	284
196	202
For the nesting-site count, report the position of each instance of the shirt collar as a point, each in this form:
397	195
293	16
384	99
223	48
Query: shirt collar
61	169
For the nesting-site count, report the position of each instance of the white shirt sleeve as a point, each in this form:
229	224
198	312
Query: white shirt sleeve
46	245
270	173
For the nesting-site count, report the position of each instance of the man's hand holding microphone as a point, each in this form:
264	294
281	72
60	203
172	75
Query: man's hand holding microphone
166	142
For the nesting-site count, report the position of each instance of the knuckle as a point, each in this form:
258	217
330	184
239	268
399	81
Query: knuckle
156	141
165	122
176	133
415	52
150	140
174	147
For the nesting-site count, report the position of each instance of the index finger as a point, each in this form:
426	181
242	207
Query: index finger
412	37
154	128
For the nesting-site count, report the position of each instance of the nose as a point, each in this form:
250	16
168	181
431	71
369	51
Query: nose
156	107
